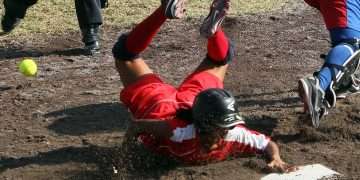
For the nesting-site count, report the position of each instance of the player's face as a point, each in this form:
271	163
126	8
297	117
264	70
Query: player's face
209	140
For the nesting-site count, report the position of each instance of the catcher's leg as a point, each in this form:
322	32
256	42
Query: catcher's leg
347	82
338	75
319	92
335	62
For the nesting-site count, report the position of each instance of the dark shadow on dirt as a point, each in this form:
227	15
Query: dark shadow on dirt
90	118
5	88
289	102
85	175
129	163
12	53
263	124
306	134
276	93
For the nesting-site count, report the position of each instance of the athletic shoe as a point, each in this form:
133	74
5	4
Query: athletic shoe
218	10
92	48
9	23
13	11
313	98
174	9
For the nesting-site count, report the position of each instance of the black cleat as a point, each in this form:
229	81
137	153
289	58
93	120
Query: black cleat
218	10
8	23
92	48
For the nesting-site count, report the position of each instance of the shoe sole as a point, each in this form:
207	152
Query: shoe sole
8	29
212	21
175	9
306	99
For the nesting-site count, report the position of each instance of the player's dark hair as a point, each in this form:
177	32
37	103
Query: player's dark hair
120	52
185	114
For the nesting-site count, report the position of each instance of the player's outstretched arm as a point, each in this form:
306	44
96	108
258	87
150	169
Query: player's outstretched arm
276	163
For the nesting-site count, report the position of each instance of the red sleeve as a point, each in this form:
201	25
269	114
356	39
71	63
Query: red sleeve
241	140
313	3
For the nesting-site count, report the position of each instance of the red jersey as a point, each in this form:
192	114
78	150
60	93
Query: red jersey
338	13
151	98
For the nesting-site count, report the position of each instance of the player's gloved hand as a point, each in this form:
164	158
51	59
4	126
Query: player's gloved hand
277	165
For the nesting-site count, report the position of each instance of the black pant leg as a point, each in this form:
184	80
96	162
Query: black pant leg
17	8
88	12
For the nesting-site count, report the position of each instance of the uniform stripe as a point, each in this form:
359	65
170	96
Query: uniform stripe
183	134
246	137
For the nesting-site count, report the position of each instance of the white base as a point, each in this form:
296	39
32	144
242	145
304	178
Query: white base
308	172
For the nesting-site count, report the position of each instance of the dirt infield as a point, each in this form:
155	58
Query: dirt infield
68	124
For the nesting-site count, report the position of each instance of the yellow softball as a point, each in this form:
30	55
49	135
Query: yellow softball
28	67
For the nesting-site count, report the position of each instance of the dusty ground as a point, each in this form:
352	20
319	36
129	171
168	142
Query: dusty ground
68	124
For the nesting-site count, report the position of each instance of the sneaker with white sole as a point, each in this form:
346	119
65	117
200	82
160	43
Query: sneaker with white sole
218	10
313	98
174	9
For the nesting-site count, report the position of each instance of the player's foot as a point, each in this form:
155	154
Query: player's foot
91	39
13	11
174	9
92	48
8	23
313	98
218	10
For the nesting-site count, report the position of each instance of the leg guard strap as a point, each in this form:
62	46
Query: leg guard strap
345	78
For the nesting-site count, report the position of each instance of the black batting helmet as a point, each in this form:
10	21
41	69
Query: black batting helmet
215	108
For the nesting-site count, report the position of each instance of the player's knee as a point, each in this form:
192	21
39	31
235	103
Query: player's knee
120	52
339	54
228	58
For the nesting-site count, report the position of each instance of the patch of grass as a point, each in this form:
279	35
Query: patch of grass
59	17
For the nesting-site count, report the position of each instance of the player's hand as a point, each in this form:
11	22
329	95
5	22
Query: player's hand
277	165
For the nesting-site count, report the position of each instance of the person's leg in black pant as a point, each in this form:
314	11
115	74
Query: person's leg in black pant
89	16
15	10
